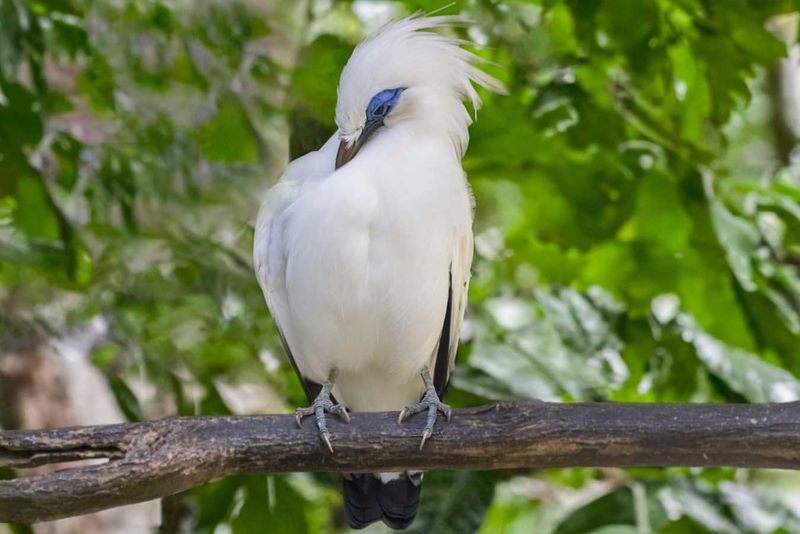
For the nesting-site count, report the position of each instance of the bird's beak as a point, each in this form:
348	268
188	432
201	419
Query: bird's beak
347	152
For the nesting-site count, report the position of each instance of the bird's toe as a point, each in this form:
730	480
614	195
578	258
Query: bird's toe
301	413
430	404
341	411
319	409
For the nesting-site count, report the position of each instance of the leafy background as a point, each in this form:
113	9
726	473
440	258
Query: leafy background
637	231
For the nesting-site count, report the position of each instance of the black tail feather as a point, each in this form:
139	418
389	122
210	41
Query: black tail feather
399	500
360	494
367	499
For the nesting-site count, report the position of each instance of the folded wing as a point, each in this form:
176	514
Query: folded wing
270	247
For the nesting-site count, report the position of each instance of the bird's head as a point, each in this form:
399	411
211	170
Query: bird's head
403	72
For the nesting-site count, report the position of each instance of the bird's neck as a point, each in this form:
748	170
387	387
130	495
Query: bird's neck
441	116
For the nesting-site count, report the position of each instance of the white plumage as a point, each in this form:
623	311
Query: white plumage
356	262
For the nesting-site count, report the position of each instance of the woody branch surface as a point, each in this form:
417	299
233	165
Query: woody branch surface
157	458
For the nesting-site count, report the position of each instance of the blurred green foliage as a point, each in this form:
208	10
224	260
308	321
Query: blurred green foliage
631	245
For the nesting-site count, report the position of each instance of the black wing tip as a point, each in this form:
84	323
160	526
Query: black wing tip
367	499
441	371
310	387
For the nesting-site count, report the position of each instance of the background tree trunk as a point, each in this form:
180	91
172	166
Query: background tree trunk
39	390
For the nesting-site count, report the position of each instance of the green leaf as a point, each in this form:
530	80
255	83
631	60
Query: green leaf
35	215
270	502
314	80
615	529
615	508
517	375
742	371
104	355
740	240
213	403
454	502
628	24
566	343
126	399
228	137
560	29
745	372
682	498
660	217
215	501
97	82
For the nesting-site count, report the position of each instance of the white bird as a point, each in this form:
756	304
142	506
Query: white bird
363	249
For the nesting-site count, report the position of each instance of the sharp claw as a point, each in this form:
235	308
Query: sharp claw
430	403
319	408
340	411
326	438
432	406
425	435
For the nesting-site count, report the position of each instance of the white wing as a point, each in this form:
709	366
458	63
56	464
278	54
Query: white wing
460	269
462	264
270	245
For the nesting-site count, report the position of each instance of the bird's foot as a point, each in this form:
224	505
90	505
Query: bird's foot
430	403
322	405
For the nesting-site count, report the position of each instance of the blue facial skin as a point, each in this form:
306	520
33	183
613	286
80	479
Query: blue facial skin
377	110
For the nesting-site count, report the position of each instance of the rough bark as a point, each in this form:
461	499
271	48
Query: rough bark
39	390
159	458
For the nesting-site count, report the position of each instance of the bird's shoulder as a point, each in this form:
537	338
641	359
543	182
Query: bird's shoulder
312	166
298	177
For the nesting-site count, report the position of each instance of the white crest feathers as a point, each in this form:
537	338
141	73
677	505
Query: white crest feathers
404	54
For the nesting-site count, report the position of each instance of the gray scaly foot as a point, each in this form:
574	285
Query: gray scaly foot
430	403
323	405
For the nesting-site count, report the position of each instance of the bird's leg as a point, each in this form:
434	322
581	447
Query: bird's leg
430	403
322	405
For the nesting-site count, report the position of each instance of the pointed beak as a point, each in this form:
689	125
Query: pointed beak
346	153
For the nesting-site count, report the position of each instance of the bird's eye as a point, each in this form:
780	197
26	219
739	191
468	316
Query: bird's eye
382	103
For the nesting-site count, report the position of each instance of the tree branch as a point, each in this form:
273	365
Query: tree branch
158	458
